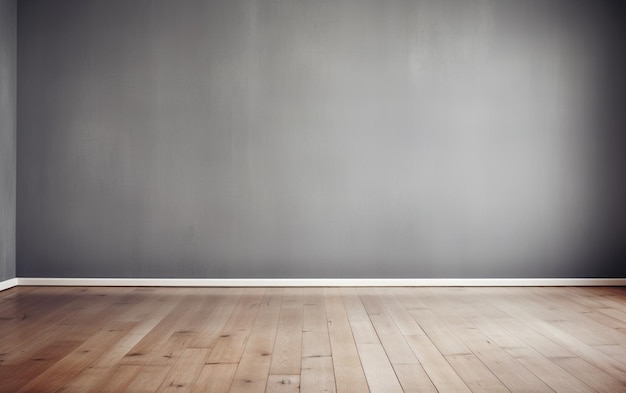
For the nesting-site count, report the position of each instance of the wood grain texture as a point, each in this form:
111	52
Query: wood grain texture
287	340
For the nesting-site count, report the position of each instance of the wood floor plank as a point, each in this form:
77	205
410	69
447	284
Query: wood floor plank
438	326
513	374
215	378
118	379
611	297
288	344
22	300
315	339
97	379
360	322
507	331
37	310
549	372
475	374
223	308
13	377
35	345
436	366
397	349
414	379
535	319
71	365
401	316
283	383
233	337
616	351
531	349
182	375
444	339
349	375
581	321
162	345
286	340
253	370
381	377
317	375
153	311
148	380
532	338
592	375
100	306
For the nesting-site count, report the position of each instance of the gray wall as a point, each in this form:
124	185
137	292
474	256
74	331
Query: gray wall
8	91
304	138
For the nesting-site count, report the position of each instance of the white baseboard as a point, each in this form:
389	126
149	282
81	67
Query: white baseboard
321	282
6	284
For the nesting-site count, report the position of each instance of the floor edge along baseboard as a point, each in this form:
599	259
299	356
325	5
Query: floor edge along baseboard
313	282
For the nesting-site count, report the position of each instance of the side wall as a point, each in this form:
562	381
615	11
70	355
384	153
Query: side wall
303	138
8	98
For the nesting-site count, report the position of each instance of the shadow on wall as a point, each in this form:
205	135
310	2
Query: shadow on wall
610	141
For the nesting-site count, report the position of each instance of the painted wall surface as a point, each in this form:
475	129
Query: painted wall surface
304	138
8	97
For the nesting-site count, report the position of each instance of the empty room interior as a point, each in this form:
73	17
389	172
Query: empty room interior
280	196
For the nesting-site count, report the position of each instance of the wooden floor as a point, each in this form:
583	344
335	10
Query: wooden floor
64	339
